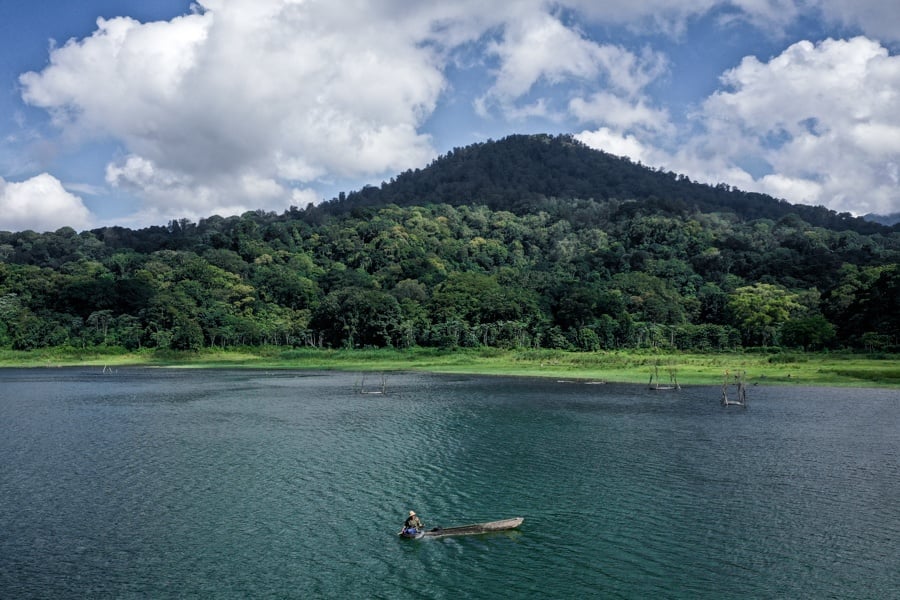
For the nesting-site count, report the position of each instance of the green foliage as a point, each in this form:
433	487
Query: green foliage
357	317
532	242
761	309
809	333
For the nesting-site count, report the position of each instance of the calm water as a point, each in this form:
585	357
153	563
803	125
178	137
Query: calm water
169	483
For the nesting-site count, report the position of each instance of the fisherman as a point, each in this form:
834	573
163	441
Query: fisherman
413	522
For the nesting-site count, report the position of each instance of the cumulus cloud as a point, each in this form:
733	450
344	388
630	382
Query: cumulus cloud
816	124
625	126
541	49
40	204
617	143
171	194
621	113
246	90
824	117
247	104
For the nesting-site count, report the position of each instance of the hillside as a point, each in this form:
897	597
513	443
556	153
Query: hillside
532	241
889	220
521	173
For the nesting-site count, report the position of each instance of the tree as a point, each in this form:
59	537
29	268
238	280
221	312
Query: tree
761	309
713	304
280	285
356	317
876	306
10	308
186	334
810	333
651	299
100	320
484	307
30	331
535	240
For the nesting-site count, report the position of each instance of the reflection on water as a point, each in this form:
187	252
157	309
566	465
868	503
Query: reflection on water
171	483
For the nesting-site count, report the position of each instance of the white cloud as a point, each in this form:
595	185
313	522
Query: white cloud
249	89
620	113
616	143
817	124
175	195
824	116
249	104
800	190
40	204
284	93
542	50
625	127
879	19
541	47
301	198
123	81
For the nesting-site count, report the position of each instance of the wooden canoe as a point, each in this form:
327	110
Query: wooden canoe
475	528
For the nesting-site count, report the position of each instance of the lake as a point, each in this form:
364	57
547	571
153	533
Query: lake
165	483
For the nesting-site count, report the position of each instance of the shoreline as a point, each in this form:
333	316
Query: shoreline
785	368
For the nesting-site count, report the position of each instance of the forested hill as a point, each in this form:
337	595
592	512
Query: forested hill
532	241
525	173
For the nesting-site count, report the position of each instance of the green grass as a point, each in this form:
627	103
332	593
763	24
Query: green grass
815	369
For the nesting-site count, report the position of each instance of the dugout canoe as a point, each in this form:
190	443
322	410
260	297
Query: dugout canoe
475	528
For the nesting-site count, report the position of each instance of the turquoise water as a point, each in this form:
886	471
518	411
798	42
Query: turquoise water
151	483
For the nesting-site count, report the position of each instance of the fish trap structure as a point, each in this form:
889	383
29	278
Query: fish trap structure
657	384
734	389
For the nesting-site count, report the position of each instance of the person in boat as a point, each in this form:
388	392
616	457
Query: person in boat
413	522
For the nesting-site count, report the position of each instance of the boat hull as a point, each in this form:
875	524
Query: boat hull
475	528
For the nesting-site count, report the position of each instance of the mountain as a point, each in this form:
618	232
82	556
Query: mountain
526	173
889	220
530	241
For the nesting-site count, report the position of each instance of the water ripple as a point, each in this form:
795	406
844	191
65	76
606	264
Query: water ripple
156	483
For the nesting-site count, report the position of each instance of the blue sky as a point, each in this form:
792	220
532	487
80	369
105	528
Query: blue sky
133	113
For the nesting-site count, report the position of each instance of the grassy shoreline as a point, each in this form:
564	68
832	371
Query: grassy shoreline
788	368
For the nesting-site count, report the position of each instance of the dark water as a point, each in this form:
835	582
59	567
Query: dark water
211	484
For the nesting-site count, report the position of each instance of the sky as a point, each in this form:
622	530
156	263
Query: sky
137	112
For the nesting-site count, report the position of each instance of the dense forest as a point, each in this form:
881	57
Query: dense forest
530	241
